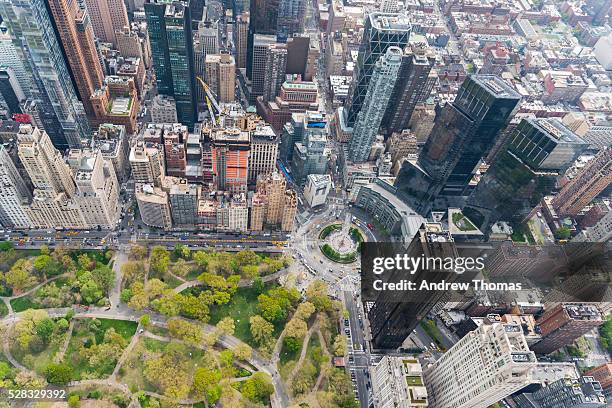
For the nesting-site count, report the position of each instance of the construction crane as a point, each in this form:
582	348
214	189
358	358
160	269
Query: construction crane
210	101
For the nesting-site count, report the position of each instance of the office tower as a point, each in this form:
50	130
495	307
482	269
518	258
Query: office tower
128	43
221	76
415	81
290	19
11	90
169	26
230	159
293	132
309	154
463	134
484	367
294	96
317	188
147	163
44	164
34	39
376	100
564	323
594	178
153	206
174	150
76	35
241	33
9	59
261	53
262	20
14	194
264	152
401	145
585	392
290	204
206	41
391	322
297	54
382	30
183	203
97	193
537	151
276	66
273	204
107	17
112	142
398	382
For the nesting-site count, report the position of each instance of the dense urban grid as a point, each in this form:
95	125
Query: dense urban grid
187	188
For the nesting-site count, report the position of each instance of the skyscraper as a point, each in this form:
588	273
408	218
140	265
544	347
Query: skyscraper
169	25
221	76
107	17
276	66
594	178
241	33
35	41
264	152
9	58
463	134
537	151
484	367
77	39
262	20
10	90
392	321
14	194
290	18
376	100
261	48
230	159
414	83
382	30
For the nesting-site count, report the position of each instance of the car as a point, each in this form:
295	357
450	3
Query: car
370	227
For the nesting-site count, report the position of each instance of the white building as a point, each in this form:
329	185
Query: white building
317	188
397	382
163	109
147	163
485	366
603	52
600	232
14	194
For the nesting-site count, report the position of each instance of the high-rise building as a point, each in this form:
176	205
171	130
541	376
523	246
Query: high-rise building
309	154
14	194
294	96
97	191
230	159
317	188
537	151
77	38
183	203
382	30
273	204
384	76
585	392
107	16
174	150
10	90
601	231
147	163
116	102
169	25
462	136
34	39
414	83
262	20
241	33
221	76
264	152
128	43
564	323
398	382
290	19
9	58
485	366
163	109
276	66
594	178
603	374
391	322
153	206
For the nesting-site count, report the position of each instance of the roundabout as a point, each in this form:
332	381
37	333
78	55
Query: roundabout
340	242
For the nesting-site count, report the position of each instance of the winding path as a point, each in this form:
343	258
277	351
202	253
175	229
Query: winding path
241	284
298	365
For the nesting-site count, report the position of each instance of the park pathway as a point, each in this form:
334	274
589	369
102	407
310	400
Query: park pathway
59	356
298	365
126	352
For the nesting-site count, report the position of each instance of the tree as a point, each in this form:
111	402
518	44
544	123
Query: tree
247	257
296	328
317	294
304	311
261	329
160	259
259	285
181	251
340	346
74	401
44	329
132	270
155	288
563	233
196	307
145	320
250	271
90	292
243	351
180	268
227	325
206	384
6	246
201	258
185	331
19	276
104	278
271	308
46	265
58	373
138	252
258	388
292	344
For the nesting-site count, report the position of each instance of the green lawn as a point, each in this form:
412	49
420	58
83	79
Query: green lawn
286	355
125	328
413	380
3	309
328	230
329	252
37	361
25	303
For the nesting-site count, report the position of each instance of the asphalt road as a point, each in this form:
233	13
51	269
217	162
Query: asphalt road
357	352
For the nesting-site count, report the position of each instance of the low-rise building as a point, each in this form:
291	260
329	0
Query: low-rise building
163	109
317	188
398	382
